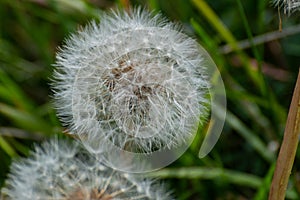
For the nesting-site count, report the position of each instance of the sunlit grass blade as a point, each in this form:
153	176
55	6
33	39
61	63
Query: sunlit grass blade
26	120
214	20
254	48
11	92
7	147
204	36
235	177
228	37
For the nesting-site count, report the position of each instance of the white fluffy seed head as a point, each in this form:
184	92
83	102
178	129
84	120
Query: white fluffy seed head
289	6
60	170
134	80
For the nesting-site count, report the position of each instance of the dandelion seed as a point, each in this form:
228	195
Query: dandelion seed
289	6
60	170
134	81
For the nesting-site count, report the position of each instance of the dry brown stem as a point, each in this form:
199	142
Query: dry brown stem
288	148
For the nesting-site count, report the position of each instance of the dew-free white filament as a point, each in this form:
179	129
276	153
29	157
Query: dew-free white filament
63	170
133	80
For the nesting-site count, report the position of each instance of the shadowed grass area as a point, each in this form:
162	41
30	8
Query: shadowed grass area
259	74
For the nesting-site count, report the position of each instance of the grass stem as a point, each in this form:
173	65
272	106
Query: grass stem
288	148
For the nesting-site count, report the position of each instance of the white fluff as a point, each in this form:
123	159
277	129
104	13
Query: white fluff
60	170
289	6
134	80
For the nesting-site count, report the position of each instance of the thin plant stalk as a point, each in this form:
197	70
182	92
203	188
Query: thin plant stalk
288	148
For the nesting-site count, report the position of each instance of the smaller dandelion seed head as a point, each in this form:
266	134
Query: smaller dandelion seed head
79	177
134	80
289	6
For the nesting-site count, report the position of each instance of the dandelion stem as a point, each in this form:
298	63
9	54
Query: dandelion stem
288	148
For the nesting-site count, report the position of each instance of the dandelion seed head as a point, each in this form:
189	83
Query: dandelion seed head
134	80
79	177
289	6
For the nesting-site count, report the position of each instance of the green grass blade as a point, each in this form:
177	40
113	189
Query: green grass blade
235	177
7	147
26	120
250	137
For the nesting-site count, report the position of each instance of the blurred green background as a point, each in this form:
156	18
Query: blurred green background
259	77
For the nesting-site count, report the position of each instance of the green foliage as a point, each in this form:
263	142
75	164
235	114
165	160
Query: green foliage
259	83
